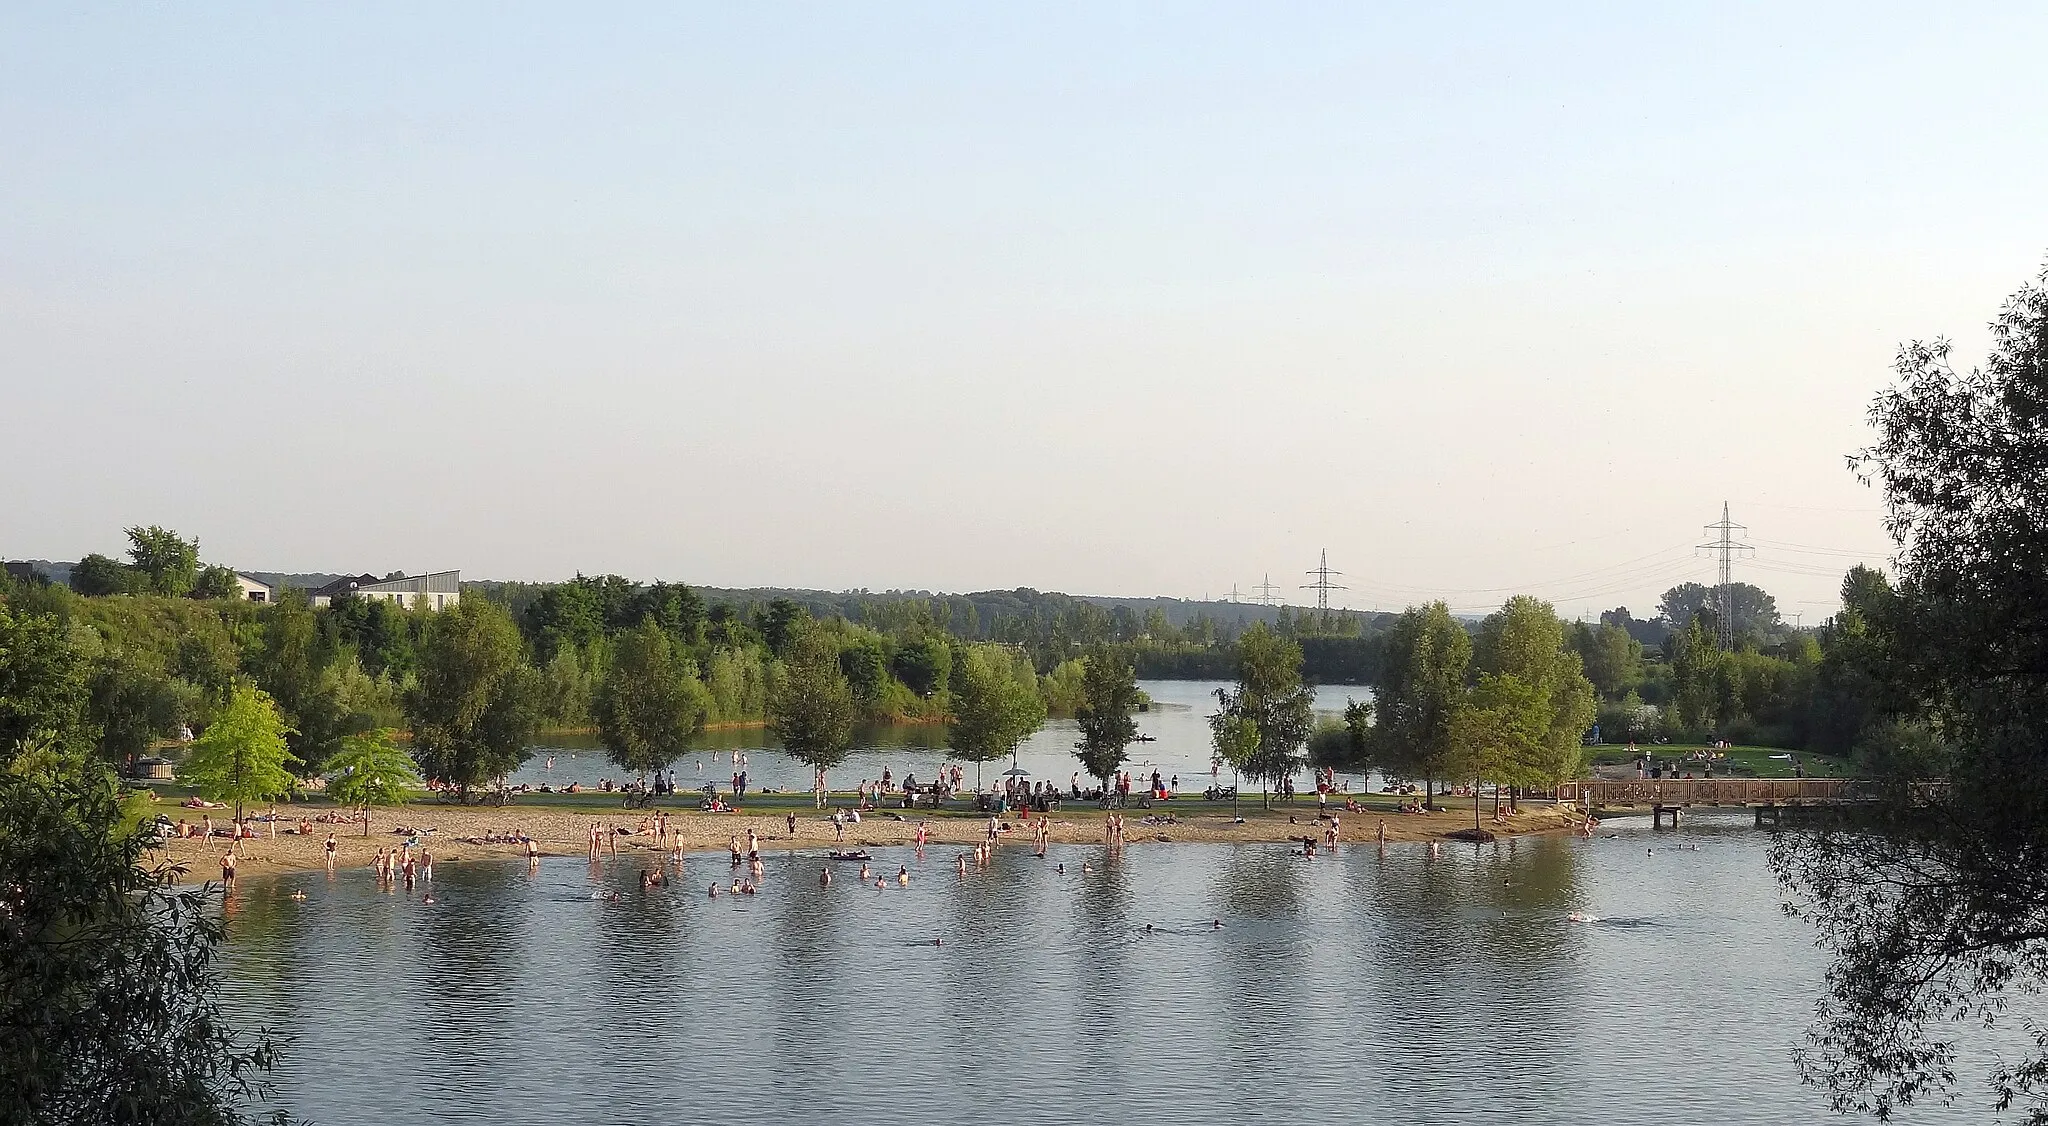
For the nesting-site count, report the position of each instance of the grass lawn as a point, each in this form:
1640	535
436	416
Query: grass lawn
1746	762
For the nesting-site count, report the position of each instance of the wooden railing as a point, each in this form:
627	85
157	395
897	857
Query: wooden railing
1715	791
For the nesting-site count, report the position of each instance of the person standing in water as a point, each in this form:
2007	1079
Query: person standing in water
330	851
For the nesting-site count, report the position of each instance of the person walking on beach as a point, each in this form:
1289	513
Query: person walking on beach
792	824
1383	831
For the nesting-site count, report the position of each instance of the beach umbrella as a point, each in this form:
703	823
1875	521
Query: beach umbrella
1016	772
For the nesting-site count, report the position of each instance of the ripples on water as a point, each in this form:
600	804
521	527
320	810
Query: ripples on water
1397	988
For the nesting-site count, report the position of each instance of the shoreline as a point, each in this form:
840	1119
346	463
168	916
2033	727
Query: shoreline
565	832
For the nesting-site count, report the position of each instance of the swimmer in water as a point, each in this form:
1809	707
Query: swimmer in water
714	891
429	898
903	877
824	877
1085	867
298	895
1216	924
960	863
879	884
865	875
1062	869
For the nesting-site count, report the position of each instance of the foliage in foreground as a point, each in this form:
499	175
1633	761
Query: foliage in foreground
107	978
1938	920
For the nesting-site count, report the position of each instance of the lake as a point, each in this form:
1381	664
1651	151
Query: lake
1178	724
1370	987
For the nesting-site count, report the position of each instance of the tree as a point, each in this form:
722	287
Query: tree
217	582
96	575
1695	672
1345	743
1234	737
288	665
1524	639
42	683
1849	686
866	664
925	665
476	706
1109	692
996	704
649	702
1613	661
167	563
781	620
1417	695
1499	733
812	708
134	704
1752	611
108	984
1271	695
241	757
368	770
1935	918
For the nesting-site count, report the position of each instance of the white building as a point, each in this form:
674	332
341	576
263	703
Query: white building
254	590
437	591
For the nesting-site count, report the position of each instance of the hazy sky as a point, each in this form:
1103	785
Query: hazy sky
1122	300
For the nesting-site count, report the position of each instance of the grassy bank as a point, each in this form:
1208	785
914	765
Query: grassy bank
1737	762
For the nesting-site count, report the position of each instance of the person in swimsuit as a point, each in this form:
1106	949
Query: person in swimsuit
227	868
330	850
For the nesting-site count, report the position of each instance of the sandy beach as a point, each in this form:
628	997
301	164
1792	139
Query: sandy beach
459	833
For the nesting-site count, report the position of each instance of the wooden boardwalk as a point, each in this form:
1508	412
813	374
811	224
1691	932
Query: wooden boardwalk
1658	793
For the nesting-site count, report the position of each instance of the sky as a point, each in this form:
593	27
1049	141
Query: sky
1108	299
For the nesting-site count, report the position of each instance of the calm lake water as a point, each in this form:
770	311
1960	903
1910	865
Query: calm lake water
1178	724
1369	987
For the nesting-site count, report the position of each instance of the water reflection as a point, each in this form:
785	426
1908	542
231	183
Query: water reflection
1176	731
1383	986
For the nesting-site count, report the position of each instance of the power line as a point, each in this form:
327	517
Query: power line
1323	586
1724	616
1268	593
